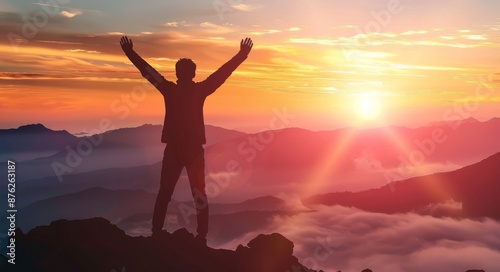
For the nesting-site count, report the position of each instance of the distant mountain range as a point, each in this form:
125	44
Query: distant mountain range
34	137
123	205
430	165
132	210
32	141
37	137
132	178
476	186
353	160
292	160
92	202
39	148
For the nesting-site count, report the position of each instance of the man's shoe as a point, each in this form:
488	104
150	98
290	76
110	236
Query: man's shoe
160	234
201	240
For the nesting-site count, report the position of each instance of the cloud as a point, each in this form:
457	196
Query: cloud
116	33
70	14
58	6
83	51
263	32
173	24
414	32
347	239
476	37
408	38
216	29
21	75
286	58
244	7
163	59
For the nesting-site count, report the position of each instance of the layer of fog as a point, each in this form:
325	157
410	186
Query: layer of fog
347	239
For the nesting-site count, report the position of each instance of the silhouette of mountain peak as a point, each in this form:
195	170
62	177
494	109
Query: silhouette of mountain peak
33	138
470	120
97	245
33	128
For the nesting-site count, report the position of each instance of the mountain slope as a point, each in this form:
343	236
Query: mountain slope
476	186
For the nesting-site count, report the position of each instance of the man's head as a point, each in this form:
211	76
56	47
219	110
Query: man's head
185	69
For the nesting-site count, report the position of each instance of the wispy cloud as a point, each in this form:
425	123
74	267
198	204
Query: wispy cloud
406	38
70	14
245	7
68	10
83	51
172	24
163	59
116	33
414	32
477	37
23	75
264	32
216	29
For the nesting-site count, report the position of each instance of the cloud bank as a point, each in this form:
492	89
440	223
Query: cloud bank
347	239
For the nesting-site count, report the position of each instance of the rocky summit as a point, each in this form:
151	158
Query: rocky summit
97	245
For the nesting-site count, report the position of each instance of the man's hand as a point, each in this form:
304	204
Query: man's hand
246	45
126	43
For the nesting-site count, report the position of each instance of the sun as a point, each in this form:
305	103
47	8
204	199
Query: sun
367	108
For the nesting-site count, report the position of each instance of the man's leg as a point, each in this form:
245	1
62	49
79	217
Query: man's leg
170	172
196	173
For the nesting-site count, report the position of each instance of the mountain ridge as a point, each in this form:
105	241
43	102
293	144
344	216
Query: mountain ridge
32	138
475	186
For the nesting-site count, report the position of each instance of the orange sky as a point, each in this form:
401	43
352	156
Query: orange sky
323	61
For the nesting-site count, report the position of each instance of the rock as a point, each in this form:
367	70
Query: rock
97	245
268	253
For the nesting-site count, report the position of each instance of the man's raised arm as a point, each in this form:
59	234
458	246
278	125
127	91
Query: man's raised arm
216	79
146	70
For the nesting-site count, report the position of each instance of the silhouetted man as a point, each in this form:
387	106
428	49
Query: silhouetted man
184	129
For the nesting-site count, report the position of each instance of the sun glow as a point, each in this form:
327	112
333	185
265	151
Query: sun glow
367	107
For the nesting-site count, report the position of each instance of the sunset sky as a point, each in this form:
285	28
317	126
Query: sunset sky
330	64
